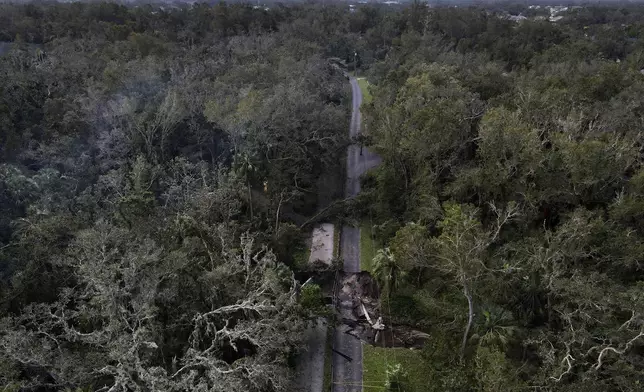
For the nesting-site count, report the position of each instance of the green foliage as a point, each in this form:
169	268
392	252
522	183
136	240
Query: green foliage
290	245
328	360
301	258
444	372
431	105
412	248
513	149
494	372
8	372
397	379
597	167
387	271
11	387
411	370
509	155
498	328
146	45
628	206
311	298
367	247
364	88
151	158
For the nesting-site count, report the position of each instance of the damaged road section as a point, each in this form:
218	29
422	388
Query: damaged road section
359	311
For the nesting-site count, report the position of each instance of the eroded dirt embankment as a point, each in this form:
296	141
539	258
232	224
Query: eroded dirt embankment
359	308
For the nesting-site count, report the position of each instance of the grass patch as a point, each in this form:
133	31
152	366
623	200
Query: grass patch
374	368
328	358
405	309
367	247
336	239
364	87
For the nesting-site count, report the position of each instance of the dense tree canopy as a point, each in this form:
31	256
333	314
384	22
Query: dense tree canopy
156	164
154	161
511	153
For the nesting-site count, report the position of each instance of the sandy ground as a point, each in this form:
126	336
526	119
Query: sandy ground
322	244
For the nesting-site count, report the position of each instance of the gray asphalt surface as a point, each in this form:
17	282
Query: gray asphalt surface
347	373
359	160
310	367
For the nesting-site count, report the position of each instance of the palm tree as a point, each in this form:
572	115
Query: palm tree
386	271
498	329
245	167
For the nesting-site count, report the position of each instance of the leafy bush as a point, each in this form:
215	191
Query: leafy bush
311	298
397	379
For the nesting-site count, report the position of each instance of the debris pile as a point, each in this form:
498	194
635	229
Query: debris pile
358	306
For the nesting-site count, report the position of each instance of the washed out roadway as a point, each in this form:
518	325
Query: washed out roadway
347	373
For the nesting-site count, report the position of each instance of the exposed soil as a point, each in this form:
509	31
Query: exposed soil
322	244
360	289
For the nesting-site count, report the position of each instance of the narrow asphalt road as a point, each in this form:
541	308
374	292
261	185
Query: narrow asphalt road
310	363
310	367
359	160
347	373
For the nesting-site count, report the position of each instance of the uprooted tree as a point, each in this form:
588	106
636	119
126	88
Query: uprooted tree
108	329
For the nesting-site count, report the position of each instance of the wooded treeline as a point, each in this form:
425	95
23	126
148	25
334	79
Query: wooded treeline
157	161
509	201
154	164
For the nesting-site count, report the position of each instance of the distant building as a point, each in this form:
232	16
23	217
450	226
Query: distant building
554	11
516	18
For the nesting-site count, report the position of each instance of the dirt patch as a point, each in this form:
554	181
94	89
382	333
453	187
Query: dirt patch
322	244
401	336
357	293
